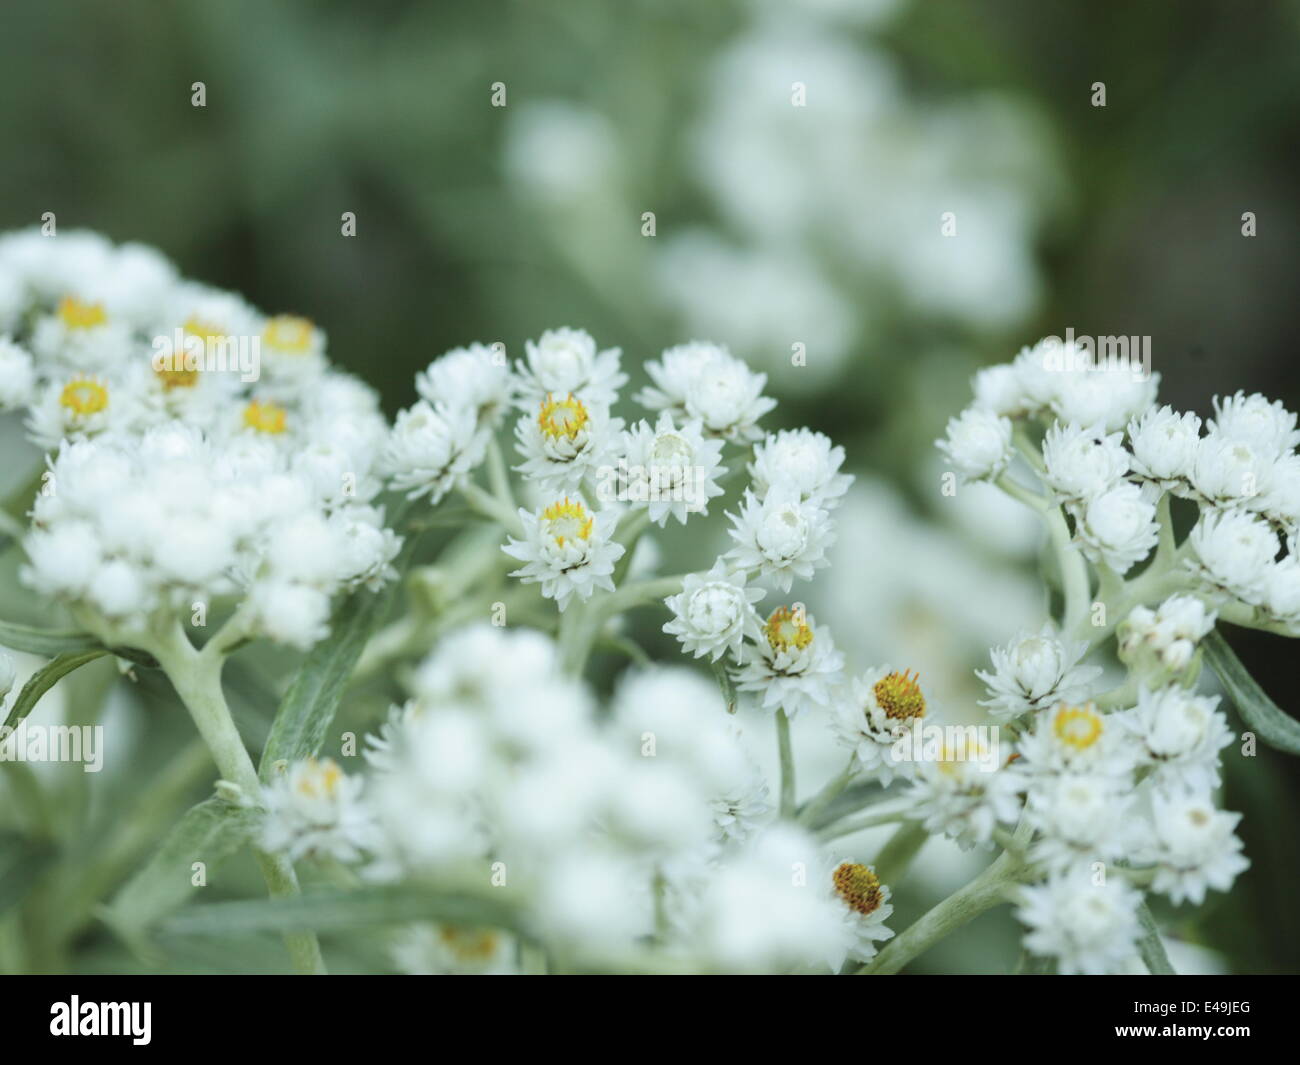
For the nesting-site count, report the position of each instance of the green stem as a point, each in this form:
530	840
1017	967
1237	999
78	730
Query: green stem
882	813
817	804
787	762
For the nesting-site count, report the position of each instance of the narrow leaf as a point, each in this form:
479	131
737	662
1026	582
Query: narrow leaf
45	678
209	832
47	642
1150	945
1259	712
724	683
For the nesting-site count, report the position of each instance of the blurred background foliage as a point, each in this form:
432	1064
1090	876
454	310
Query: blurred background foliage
775	226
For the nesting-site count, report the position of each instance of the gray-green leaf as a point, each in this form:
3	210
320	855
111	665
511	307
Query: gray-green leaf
1258	711
45	678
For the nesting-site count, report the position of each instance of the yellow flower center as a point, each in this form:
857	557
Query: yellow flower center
568	520
470	944
899	695
206	331
84	395
562	417
288	333
1077	726
177	376
78	315
322	778
788	628
264	417
858	886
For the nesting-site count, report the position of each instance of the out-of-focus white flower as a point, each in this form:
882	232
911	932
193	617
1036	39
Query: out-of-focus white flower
1105	397
1193	845
1178	734
1230	471
1080	818
978	443
565	442
1119	527
704	381
794	665
800	460
1233	551
1164	444
567	549
290	611
583	902
17	375
869	716
1267	426
1082	462
714	612
1034	671
431	449
671	470
564	362
780	536
437	950
475	378
81	336
1088	928
1001	389
957	793
1282	590
315	809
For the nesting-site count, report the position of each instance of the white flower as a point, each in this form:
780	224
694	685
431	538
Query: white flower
17	376
957	793
1106	397
1178	735
1230	471
796	665
81	336
1193	845
475	378
1075	739
1001	389
565	442
1081	818
1089	928
714	612
1119	527
1083	462
672	471
1268	427
1233	551
437	950
1164	444
431	449
870	716
290	612
80	406
978	443
1035	671
1282	590
800	460
1170	633
315	809
1281	502
865	907
567	549
780	536
704	381
565	361
584	903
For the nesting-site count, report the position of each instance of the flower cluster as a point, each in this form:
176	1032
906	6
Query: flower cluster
199	452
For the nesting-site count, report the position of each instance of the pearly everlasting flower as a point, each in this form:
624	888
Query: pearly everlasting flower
17	376
870	716
1035	671
780	536
1169	634
1075	739
1119	527
565	442
430	450
1079	819
1164	444
1107	397
793	665
1268	427
1193	846
1233	552
81	336
565	361
1228	471
290	612
1282	590
567	549
962	793
714	612
1001	390
1177	735
475	378
800	460
1281	503
438	950
705	382
314	809
1083	462
978	443
1088	928
865	908
80	406
672	470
